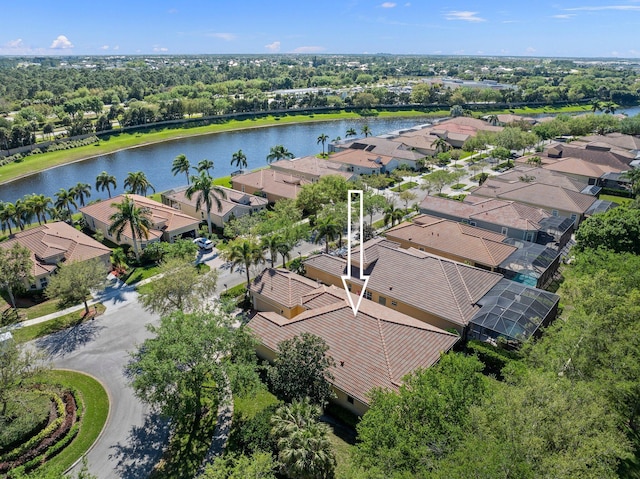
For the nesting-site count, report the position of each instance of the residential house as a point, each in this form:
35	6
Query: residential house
53	243
280	291
438	291
576	168
532	174
391	146
312	168
234	204
510	218
271	184
168	224
376	348
456	131
362	162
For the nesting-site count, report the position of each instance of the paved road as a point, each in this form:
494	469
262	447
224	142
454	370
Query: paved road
133	438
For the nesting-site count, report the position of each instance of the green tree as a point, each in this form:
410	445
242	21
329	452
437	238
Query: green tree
181	165
74	282
322	139
617	230
366	131
180	288
80	192
138	219
372	204
138	184
64	200
260	465
39	205
406	196
392	214
244	252
7	211
330	189
327	228
304	449
239	159
204	166
206	193
351	132
633	176
104	181
277	153
440	145
302	370
185	366
272	243
16	367
15	270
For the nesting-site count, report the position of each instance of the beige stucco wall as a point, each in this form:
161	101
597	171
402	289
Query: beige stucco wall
263	304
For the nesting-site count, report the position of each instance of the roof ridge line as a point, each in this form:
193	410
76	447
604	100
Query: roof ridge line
384	350
446	277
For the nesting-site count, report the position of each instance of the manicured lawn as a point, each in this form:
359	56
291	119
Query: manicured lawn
139	273
405	186
224	181
95	406
458	186
30	309
28	333
342	450
618	199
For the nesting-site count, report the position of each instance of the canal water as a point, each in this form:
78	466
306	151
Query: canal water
155	160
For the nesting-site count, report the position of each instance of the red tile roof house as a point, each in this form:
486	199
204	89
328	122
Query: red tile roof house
52	243
312	168
363	162
392	146
375	349
273	185
168	223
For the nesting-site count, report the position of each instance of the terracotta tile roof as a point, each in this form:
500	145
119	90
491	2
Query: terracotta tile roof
233	199
436	285
271	182
616	140
282	286
540	175
393	147
163	217
312	166
361	158
438	235
605	155
376	348
500	212
545	196
54	242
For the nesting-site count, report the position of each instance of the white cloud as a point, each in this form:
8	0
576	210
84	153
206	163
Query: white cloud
223	36
309	49
116	47
61	43
599	8
465	15
615	54
388	5
17	43
160	49
564	16
273	47
104	47
530	50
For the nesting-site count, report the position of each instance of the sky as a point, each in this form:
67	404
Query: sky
538	28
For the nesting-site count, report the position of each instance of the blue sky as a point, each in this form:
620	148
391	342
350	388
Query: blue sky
562	28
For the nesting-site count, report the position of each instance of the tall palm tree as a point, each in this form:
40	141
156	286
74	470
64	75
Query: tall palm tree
104	181
596	105
272	243
245	252
366	131
39	205
204	165
492	120
6	216
440	145
207	193
239	159
633	176
277	153
392	214
327	228
81	191
181	165
138	184
610	107
138	219
323	139
351	132
64	200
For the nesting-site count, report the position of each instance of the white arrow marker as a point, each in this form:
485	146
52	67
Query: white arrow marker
362	277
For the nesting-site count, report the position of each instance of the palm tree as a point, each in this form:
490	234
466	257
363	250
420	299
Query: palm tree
277	153
633	176
392	214
64	200
207	192
366	131
204	165
440	145
138	184
104	181
81	191
181	165
351	132
596	105
610	107
39	205
323	139
6	216
273	243
23	214
327	228
239	159
244	252
492	120
137	218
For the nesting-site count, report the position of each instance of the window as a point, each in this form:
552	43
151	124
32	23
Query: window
382	300
367	294
554	212
574	216
44	282
505	230
349	286
349	399
394	303
529	236
472	223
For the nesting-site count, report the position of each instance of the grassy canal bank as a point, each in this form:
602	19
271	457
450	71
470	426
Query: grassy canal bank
121	141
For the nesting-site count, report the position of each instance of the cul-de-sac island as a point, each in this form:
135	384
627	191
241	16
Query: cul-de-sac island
313	265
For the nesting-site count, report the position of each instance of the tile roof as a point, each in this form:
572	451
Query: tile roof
500	212
451	237
164	218
51	243
393	147
617	140
605	156
546	196
283	286
271	182
233	199
312	166
376	348
540	175
362	158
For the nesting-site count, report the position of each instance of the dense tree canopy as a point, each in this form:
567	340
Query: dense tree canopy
617	230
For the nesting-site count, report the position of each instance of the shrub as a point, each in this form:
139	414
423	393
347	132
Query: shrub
494	359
